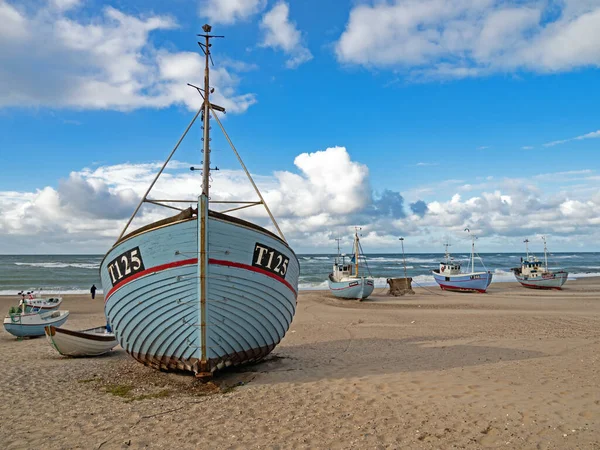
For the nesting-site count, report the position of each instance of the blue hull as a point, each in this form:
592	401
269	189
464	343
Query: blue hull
157	315
472	282
359	288
28	330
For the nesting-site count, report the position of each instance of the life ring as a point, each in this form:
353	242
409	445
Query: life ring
443	268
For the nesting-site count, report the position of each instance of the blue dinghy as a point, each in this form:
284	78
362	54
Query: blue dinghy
32	324
202	290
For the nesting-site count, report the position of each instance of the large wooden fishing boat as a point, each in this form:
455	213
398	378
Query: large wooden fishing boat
450	277
202	290
345	281
534	274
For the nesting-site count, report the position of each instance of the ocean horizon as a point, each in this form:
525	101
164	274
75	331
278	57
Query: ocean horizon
74	274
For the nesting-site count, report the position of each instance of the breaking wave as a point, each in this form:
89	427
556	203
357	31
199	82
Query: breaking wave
60	265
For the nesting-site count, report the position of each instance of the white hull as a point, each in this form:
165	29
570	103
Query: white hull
92	342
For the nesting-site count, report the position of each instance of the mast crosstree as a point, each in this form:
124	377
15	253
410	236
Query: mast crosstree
205	112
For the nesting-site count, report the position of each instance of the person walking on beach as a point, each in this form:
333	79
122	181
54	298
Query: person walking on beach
93	291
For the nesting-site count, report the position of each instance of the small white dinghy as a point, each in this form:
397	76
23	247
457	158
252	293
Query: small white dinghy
91	342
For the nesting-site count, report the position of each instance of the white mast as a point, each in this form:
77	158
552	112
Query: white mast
472	250
545	253
356	253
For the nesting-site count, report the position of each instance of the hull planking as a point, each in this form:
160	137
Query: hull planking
156	310
92	342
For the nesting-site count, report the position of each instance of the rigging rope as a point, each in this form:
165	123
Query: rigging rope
365	258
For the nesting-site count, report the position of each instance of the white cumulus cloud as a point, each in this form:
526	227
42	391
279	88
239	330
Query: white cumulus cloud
467	38
230	11
99	62
280	33
326	195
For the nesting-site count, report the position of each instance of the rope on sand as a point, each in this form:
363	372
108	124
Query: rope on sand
429	290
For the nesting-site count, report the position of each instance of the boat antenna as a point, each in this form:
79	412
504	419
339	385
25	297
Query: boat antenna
447	254
527	248
545	253
206	105
403	258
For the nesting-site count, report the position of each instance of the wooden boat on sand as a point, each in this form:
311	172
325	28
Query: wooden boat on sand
90	342
202	290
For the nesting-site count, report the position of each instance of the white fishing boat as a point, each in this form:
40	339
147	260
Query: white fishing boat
22	324
534	274
202	290
91	342
36	303
345	280
451	277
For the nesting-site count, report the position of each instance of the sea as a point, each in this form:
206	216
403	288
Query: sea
75	274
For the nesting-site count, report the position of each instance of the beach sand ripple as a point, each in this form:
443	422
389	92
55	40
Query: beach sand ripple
513	368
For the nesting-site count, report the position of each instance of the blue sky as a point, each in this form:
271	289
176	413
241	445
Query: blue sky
435	98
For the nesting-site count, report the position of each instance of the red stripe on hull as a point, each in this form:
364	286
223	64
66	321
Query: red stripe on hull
221	262
186	262
155	269
454	288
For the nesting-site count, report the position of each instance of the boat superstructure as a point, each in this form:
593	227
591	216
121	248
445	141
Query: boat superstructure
535	274
201	290
345	280
36	303
450	277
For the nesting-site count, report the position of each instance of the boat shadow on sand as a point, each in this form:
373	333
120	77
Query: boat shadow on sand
347	358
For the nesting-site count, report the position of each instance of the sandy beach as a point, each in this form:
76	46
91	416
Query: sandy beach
514	368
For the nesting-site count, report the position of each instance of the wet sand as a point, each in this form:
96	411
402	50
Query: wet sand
514	368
